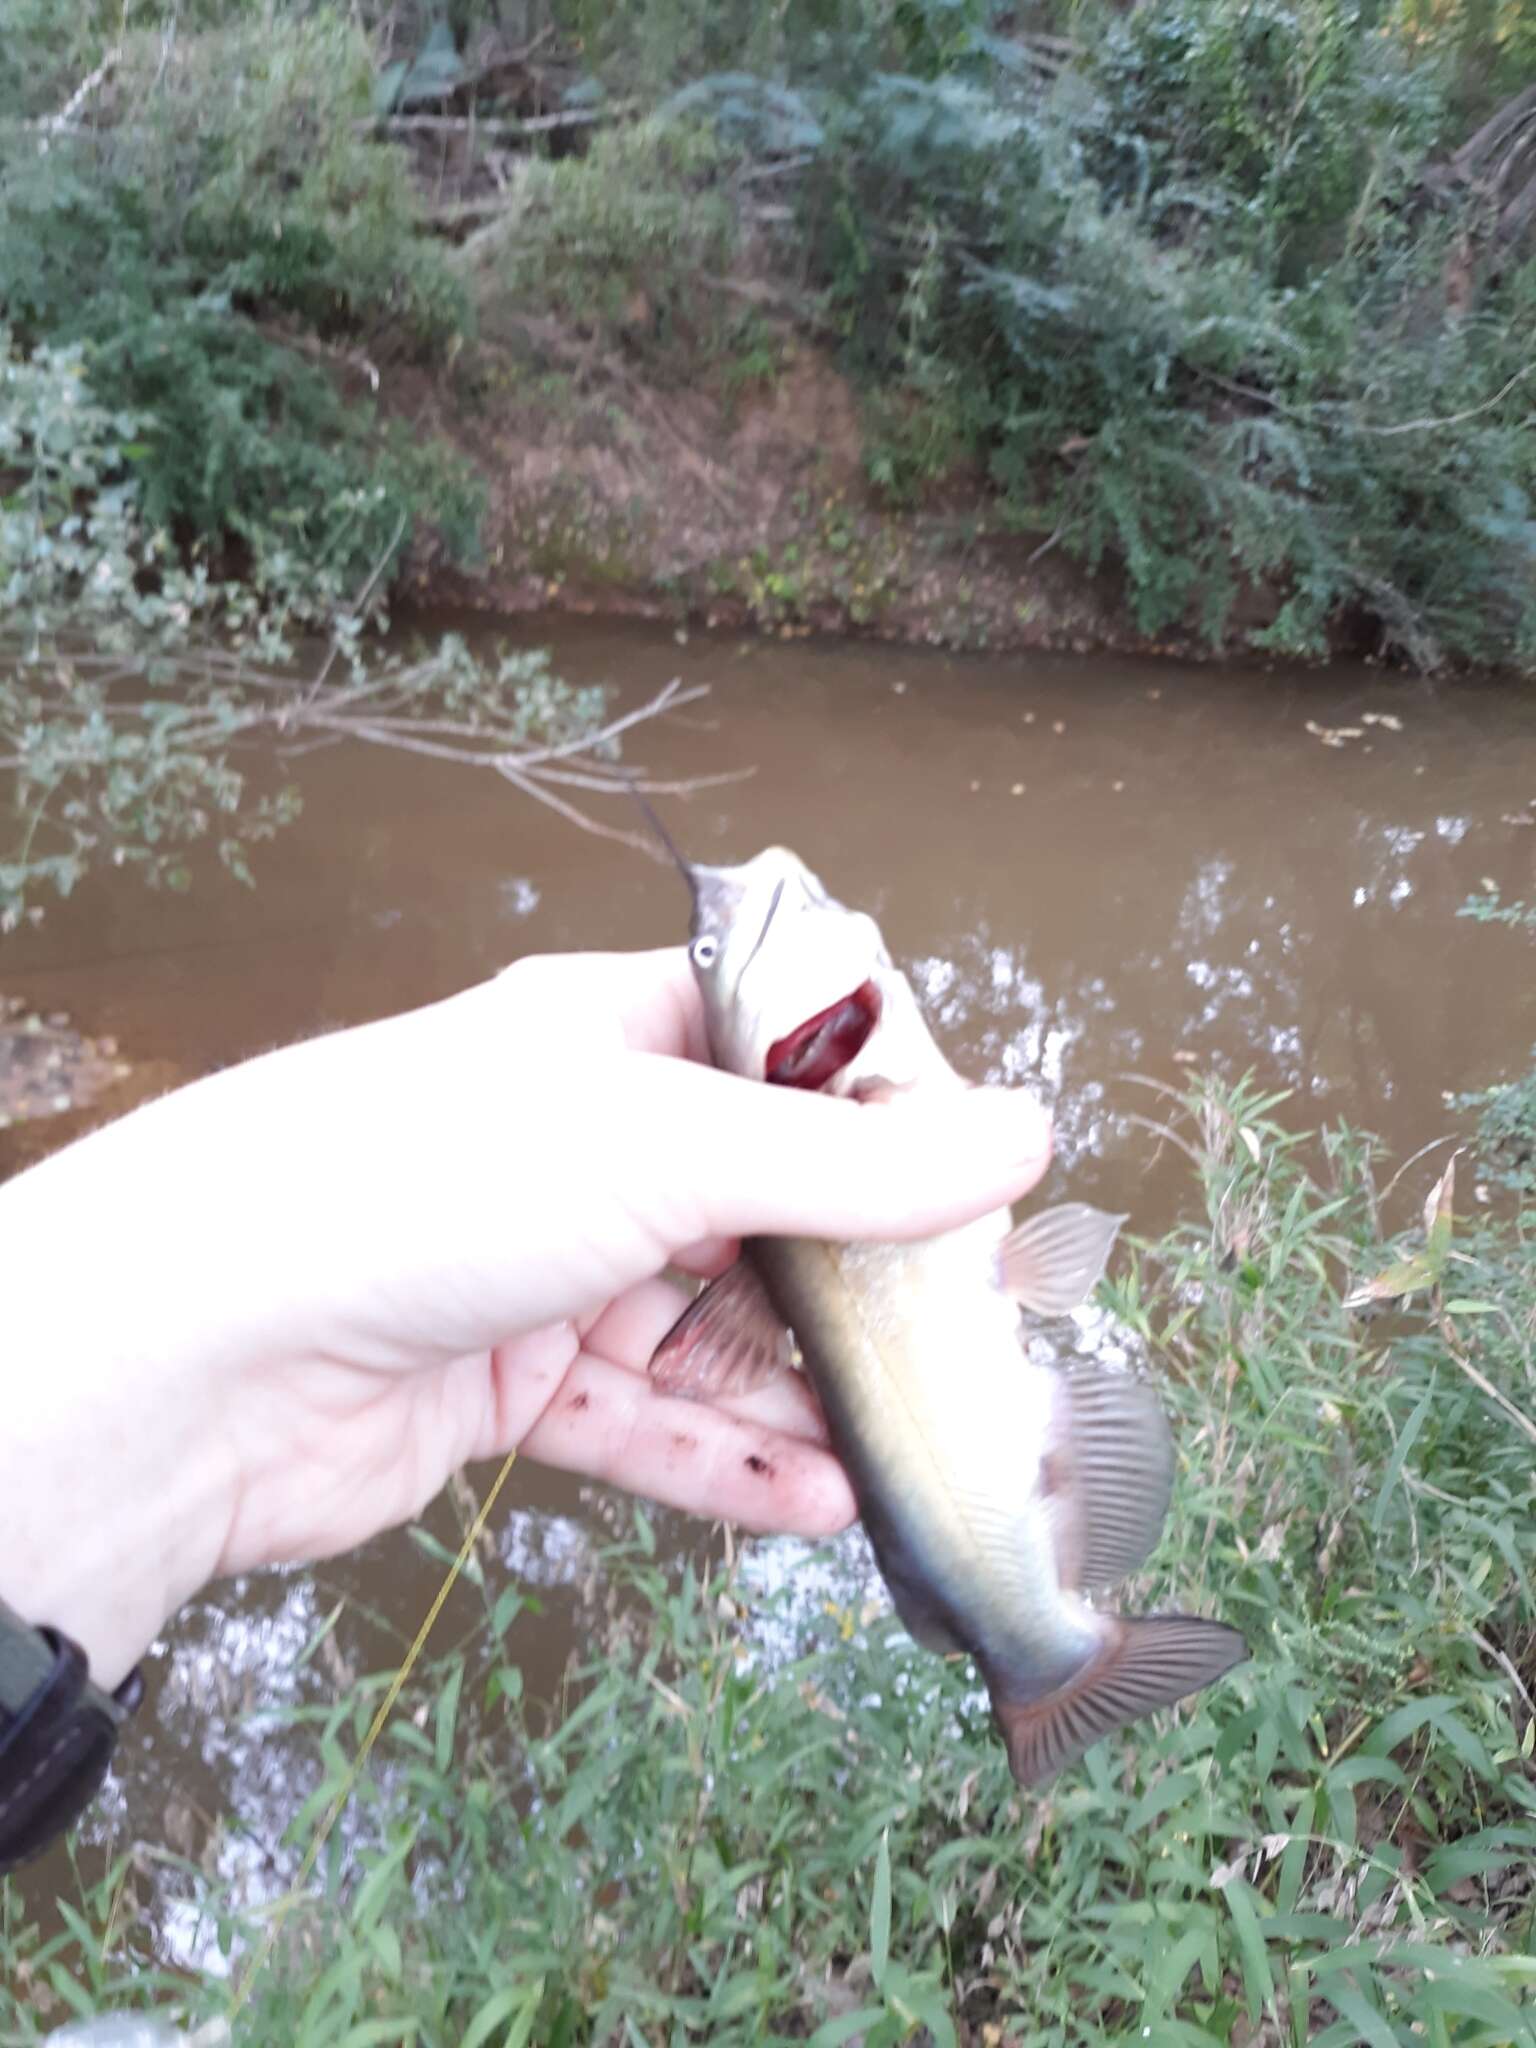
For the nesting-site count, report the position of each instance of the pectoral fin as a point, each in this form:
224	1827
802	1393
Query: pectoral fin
728	1340
1108	1473
1053	1262
1145	1663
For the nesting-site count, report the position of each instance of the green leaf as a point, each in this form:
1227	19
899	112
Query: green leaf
377	2033
1170	1971
1258	1984
521	1999
446	1719
880	1912
833	2033
509	1603
1405	1444
377	1885
386	87
436	71
1371	2026
425	1540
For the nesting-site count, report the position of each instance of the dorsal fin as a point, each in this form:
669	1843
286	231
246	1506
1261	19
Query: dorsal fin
1109	1473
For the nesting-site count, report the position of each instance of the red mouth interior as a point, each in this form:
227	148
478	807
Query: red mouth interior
823	1045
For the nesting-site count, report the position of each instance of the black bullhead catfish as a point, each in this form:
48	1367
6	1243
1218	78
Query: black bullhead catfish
997	1493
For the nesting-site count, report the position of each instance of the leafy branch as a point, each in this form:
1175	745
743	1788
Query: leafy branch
133	685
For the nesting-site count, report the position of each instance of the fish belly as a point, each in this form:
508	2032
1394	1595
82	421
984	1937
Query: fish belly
942	1424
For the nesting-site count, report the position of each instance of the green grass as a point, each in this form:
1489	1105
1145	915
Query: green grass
761	1817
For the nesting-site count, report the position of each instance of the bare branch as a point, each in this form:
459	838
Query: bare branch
61	122
1453	419
545	795
513	131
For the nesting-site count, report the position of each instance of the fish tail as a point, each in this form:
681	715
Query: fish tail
1144	1662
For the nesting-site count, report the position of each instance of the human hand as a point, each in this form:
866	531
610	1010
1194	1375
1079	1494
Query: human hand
266	1316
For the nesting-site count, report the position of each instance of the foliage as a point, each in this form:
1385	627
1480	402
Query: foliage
1183	297
627	240
130	683
754	1819
1291	109
1506	1131
225	242
1506	1126
660	44
1123	321
1177	282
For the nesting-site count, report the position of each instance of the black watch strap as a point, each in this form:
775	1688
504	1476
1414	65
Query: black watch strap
57	1735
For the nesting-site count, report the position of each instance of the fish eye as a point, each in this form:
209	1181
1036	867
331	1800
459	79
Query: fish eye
704	951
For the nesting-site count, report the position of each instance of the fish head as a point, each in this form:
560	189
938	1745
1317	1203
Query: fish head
794	984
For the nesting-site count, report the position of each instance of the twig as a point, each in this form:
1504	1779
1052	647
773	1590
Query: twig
532	788
780	167
62	120
1499	126
1499	1657
1453	419
472	124
451	213
1480	1380
1412	1160
1325	414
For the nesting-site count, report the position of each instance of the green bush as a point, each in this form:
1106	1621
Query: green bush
627	241
228	245
765	1815
1294	111
1175	310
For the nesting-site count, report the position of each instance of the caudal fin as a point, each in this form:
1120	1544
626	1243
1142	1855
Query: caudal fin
1147	1662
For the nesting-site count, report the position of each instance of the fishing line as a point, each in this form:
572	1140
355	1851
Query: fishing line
652	818
375	1730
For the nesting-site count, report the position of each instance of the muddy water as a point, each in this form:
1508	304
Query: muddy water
1092	869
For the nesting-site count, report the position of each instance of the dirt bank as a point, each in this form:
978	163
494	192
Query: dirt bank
608	492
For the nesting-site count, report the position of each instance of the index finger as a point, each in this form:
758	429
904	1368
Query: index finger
651	996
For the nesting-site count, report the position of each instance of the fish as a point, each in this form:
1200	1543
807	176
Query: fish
1000	1495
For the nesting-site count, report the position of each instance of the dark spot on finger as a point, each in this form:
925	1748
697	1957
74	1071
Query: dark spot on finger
760	1466
577	1402
684	1443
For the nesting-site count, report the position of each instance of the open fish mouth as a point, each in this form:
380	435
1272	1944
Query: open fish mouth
817	1050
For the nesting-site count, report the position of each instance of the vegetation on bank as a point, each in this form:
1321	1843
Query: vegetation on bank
1232	300
1209	290
1336	1845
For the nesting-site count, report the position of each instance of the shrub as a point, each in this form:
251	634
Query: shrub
623	241
1174	351
227	245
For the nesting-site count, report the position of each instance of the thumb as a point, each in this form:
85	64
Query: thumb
740	1158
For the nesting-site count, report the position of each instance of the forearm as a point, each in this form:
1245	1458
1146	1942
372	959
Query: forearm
110	1487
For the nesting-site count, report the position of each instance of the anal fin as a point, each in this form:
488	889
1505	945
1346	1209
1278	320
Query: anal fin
728	1340
1145	1663
1111	1471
